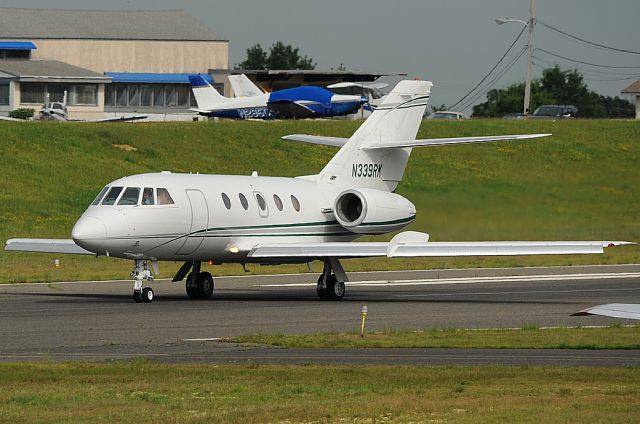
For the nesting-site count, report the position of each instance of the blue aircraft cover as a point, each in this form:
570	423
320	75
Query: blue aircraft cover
312	93
154	78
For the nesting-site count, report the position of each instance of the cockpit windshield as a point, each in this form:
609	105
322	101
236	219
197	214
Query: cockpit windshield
111	196
129	197
99	196
132	196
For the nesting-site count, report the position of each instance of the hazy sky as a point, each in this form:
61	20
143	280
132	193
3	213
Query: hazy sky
454	43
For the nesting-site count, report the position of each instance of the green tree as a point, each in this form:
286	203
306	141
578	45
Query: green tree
280	56
256	58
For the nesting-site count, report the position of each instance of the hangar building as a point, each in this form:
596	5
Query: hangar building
107	61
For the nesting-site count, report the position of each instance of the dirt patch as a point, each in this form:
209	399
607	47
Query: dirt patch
125	147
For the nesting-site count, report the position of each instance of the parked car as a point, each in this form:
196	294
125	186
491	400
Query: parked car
446	114
556	111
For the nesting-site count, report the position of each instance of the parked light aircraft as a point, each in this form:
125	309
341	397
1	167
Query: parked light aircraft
58	111
271	220
299	102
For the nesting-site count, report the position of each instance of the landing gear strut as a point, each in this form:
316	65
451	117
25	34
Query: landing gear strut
141	272
199	285
331	282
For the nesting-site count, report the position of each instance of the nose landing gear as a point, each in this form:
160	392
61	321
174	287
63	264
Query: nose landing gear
141	271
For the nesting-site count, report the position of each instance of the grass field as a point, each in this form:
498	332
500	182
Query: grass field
138	392
582	183
528	337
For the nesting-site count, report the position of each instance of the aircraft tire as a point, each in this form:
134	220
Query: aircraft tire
334	291
191	287
137	296
205	285
147	295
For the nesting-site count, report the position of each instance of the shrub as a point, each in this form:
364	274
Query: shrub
22	113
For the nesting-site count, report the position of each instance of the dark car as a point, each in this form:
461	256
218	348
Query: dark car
556	111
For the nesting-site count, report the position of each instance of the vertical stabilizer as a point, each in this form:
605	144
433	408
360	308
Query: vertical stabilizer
397	118
206	96
242	86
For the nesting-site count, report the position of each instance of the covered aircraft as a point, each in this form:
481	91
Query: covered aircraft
291	103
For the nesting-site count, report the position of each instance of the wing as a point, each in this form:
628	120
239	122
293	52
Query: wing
121	118
615	310
412	244
46	246
373	85
427	142
6	118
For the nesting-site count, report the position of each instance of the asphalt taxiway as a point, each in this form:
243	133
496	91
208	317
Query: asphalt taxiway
100	321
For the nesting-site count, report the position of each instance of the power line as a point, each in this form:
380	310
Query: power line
601	78
491	70
585	63
586	41
588	71
491	83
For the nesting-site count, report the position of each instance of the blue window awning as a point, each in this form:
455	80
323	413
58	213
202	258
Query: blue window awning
150	78
17	45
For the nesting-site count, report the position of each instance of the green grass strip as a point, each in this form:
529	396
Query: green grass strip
142	392
528	337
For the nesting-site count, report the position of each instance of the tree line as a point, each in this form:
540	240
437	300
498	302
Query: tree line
557	87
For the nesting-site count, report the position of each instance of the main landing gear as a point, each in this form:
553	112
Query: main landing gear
199	285
141	272
331	282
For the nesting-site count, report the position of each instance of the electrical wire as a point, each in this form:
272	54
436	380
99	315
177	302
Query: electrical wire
588	71
492	82
586	41
584	63
490	71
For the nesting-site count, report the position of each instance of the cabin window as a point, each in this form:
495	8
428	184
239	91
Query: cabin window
130	196
244	202
278	202
164	198
226	201
295	203
100	196
261	202
111	196
147	196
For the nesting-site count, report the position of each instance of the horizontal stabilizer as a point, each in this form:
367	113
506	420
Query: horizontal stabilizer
46	246
615	310
317	139
430	142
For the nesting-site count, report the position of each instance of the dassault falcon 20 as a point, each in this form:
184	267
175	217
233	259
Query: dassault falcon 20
269	220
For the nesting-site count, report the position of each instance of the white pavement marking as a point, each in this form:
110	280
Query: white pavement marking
514	292
475	280
207	339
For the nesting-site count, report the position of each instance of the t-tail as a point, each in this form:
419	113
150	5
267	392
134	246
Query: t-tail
206	96
362	162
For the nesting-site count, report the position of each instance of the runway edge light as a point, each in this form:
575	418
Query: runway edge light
364	318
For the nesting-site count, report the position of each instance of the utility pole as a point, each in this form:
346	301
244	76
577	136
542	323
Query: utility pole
527	88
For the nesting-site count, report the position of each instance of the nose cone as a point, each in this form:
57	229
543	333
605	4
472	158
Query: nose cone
88	232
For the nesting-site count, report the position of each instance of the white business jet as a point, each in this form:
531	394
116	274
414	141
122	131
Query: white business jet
270	220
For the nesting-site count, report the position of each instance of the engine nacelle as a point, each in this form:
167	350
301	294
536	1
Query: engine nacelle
370	211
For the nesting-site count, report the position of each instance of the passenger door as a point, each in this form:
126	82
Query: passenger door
199	222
